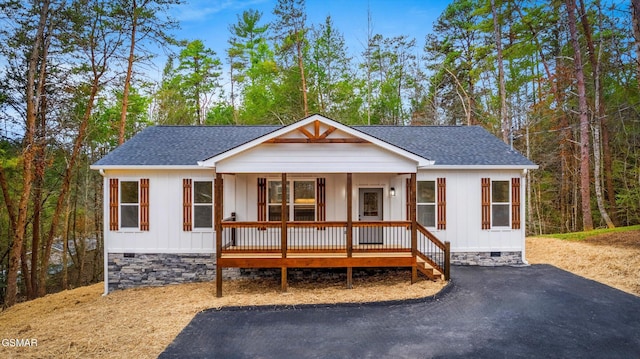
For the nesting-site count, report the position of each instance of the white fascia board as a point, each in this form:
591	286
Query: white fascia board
210	162
142	168
479	167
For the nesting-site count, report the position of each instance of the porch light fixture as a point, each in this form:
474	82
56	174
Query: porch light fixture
392	191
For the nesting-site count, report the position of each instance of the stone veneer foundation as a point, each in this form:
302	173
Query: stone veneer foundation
158	269
491	259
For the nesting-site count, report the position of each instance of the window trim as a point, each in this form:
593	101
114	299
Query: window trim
278	204
121	203
504	204
194	228
290	197
434	203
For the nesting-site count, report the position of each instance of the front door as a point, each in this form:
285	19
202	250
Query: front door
370	209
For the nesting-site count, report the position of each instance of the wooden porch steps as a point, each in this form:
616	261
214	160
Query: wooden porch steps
428	270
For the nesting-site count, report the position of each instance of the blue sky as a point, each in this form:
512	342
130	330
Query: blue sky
209	20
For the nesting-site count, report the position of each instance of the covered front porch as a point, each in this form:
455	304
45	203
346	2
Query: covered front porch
304	238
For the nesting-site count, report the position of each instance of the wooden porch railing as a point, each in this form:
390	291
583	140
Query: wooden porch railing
331	237
434	251
315	236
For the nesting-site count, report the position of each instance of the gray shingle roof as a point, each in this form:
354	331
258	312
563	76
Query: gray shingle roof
180	145
186	145
450	145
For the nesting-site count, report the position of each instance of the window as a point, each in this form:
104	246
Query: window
275	201
203	204
303	198
426	203
129	204
500	203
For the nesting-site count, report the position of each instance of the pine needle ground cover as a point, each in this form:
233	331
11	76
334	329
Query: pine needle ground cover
609	257
140	323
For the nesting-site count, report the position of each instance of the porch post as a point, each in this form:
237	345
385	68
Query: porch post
349	228
218	193
283	230
447	260
414	227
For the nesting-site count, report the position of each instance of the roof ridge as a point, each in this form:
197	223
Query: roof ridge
210	126
414	126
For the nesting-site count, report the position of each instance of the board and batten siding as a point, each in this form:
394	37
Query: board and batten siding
316	158
463	211
165	233
246	194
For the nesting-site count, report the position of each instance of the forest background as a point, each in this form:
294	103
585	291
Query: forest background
559	81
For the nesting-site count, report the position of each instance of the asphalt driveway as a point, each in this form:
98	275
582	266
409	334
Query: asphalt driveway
504	312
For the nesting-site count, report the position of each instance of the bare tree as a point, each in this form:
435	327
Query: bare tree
635	11
34	87
585	185
504	118
142	19
599	110
99	45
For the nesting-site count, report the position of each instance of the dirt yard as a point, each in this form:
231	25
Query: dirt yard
612	259
140	323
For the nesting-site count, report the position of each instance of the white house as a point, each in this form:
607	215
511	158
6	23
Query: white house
183	202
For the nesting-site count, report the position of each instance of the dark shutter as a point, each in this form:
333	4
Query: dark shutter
262	199
113	204
187	208
144	204
515	203
321	199
486	203
407	198
442	203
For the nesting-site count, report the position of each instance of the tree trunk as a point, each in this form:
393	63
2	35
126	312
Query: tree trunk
369	36
600	113
40	164
566	159
32	98
305	105
35	235
596	174
635	11
98	67
127	81
585	193
599	110
600	125
79	140
504	119
233	94
65	247
25	270
607	165
97	220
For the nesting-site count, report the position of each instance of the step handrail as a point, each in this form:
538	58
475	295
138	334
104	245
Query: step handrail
444	251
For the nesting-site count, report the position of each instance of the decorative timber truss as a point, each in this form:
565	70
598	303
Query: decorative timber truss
316	134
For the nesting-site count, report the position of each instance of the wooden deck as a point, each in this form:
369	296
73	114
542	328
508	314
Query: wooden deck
320	245
328	244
